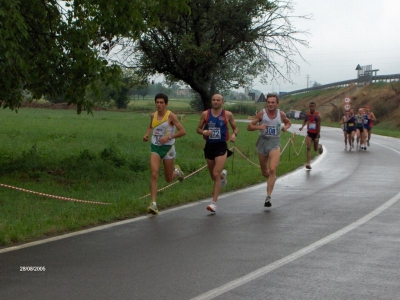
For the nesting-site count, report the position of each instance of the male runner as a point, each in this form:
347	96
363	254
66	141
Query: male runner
313	121
214	127
269	122
368	123
163	124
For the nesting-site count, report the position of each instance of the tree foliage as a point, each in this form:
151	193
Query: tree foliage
220	45
51	47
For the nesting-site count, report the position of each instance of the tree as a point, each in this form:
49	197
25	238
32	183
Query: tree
59	48
315	84
220	45
118	92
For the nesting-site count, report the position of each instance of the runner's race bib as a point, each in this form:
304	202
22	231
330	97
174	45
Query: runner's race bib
215	133
271	130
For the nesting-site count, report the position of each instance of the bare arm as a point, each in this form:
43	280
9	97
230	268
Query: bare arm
148	130
200	125
232	122
318	124
286	121
304	124
253	124
372	116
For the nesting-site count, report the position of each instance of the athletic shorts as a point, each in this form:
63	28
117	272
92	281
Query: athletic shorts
367	128
266	145
164	151
361	129
213	150
350	130
313	136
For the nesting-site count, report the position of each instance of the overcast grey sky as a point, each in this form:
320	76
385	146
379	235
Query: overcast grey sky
344	33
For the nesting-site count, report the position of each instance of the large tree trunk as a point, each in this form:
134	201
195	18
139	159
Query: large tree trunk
204	93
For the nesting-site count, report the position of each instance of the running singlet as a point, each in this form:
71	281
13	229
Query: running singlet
367	122
351	123
217	126
162	128
312	122
273	125
360	121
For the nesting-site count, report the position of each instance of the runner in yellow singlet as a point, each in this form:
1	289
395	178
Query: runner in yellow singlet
165	127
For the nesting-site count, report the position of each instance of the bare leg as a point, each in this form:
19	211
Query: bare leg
215	168
155	161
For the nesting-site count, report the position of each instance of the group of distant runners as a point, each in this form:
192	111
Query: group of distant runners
214	127
357	128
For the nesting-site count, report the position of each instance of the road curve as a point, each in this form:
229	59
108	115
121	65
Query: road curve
332	233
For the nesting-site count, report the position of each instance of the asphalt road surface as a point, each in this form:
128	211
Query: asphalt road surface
331	233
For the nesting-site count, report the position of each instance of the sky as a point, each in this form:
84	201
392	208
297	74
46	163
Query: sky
343	34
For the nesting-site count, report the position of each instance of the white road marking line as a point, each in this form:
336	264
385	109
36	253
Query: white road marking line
283	261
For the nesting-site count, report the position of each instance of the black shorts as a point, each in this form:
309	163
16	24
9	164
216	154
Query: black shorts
350	130
361	129
313	136
212	150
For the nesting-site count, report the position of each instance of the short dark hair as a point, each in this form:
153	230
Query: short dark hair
270	95
313	103
163	96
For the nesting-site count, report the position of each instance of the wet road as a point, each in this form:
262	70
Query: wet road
332	233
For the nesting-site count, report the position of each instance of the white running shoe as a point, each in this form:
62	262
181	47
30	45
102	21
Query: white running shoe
224	180
212	207
178	171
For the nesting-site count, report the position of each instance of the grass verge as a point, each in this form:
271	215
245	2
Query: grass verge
103	158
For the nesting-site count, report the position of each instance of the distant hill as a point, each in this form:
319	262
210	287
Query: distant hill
382	97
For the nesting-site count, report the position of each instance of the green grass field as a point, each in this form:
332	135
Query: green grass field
102	158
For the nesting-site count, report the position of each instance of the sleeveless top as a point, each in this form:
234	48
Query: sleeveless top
218	127
360	121
273	129
162	128
312	122
367	122
351	123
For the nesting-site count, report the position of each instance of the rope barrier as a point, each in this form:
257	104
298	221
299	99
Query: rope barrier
191	174
52	196
291	141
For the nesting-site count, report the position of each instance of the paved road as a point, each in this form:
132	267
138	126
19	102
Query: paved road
332	233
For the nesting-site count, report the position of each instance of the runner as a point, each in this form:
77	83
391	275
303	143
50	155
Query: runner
214	127
163	124
351	128
268	121
343	121
359	130
313	121
369	123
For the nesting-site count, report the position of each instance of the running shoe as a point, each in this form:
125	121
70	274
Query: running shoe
178	170
345	148
320	150
267	202
308	167
152	209
224	180
212	207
